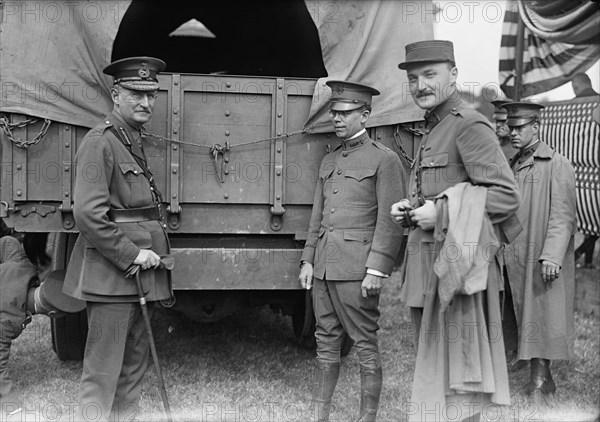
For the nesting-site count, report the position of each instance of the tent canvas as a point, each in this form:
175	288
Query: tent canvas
52	55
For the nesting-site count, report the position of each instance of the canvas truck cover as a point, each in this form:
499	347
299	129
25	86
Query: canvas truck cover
52	55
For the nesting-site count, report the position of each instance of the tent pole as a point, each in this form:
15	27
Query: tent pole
520	47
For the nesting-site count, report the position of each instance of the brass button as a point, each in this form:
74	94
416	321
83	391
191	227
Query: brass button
332	210
339	171
330	229
344	154
335	190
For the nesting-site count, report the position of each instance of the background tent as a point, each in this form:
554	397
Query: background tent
52	53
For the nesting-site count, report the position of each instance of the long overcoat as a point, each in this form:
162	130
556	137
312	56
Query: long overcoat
544	311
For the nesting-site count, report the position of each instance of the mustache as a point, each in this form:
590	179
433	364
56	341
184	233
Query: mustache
424	93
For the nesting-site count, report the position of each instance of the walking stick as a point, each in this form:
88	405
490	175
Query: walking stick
161	382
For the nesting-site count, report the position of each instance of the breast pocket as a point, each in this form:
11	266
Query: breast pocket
434	172
135	186
359	187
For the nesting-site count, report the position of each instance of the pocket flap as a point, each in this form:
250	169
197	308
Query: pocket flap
130	168
436	160
364	236
360	174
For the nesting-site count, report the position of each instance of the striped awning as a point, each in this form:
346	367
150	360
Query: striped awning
561	39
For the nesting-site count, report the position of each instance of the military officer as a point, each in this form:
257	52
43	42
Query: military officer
117	211
351	247
502	130
458	146
540	261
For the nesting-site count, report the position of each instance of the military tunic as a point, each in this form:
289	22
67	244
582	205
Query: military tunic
458	145
116	355
350	231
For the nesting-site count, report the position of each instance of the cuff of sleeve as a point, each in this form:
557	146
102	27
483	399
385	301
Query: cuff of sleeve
377	273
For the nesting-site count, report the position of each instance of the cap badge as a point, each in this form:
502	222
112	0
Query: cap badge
337	89
144	72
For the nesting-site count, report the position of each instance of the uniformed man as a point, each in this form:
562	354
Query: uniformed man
351	247
502	131
458	146
117	211
540	261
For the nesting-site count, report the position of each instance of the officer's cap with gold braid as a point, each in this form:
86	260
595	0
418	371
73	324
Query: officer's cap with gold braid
346	95
520	114
421	52
500	114
136	73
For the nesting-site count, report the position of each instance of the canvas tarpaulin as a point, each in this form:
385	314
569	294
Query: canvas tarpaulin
52	56
562	38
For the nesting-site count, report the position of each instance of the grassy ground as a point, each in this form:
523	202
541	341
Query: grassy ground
247	368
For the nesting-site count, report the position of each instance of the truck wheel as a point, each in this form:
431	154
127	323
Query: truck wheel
303	320
69	333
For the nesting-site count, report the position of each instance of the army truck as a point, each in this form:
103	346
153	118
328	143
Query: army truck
235	156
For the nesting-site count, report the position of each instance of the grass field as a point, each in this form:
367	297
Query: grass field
247	368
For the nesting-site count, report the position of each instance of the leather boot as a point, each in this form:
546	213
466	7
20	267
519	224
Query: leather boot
325	380
541	383
370	390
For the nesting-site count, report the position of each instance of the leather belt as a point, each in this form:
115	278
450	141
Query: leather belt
134	215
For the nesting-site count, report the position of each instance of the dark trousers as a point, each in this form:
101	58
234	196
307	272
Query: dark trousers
340	308
9	399
115	359
587	248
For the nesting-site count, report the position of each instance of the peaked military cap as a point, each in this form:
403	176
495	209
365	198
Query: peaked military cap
346	95
499	110
428	51
136	73
521	113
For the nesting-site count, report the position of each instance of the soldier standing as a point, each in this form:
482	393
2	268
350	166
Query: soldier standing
351	247
117	211
540	261
458	146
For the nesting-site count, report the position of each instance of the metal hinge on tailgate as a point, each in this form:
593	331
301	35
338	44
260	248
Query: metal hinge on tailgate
174	209
277	159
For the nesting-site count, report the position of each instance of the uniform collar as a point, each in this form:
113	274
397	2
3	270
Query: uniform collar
524	153
436	115
355	141
119	123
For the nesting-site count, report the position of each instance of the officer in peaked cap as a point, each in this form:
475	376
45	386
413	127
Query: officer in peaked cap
119	217
502	130
457	147
541	279
358	182
350	95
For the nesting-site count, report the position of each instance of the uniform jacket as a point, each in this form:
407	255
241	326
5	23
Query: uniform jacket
109	177
544	311
458	146
350	227
17	274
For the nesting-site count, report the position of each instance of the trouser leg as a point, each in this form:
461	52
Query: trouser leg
9	399
135	363
108	329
